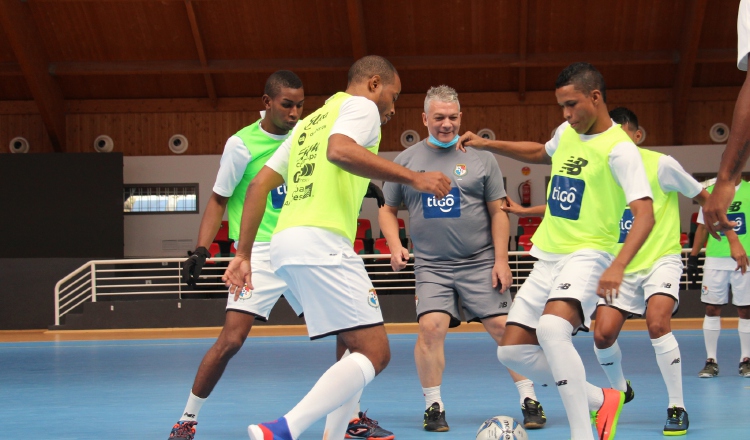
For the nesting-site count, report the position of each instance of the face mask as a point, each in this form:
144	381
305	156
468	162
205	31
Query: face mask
437	143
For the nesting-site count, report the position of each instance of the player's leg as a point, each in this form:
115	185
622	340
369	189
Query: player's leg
741	299
568	309
429	356
337	299
609	322
714	294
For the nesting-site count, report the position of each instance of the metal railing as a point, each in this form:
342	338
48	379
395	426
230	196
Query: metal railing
161	278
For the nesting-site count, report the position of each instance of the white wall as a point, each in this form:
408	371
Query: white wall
144	233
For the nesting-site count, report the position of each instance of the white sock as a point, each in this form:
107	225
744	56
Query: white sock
334	388
193	407
555	337
668	358
526	389
530	361
743	328
611	361
338	420
432	395
711	331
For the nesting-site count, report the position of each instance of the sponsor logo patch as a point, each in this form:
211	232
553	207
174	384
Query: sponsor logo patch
447	207
277	196
626	222
565	197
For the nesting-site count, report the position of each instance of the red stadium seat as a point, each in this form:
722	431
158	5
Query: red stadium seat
684	240
381	247
364	228
359	246
524	243
223	233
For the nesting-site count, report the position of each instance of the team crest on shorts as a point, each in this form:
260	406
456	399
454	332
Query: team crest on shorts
372	299
704	290
245	293
460	169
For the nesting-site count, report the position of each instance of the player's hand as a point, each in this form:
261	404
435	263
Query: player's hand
502	277
374	192
715	210
739	255
512	207
609	283
399	258
692	268
237	276
191	268
432	182
470	139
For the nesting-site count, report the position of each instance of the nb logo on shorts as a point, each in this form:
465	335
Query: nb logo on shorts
626	222
666	285
563	286
676	361
734	207
447	207
608	364
573	167
561	383
565	197
277	196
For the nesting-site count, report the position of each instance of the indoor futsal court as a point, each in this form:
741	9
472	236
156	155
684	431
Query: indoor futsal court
134	133
90	389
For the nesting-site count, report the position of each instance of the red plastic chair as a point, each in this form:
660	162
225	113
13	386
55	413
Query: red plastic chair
524	243
364	228
223	233
381	247
359	246
684	240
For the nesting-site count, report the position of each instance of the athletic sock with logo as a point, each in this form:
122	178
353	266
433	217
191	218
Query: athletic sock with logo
711	331
335	387
669	360
338	420
555	337
192	408
611	361
525	389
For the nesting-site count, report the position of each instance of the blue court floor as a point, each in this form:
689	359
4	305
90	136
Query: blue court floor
137	389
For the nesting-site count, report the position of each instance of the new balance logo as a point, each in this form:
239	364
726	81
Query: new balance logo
561	383
666	285
676	361
573	167
735	206
563	286
192	416
608	364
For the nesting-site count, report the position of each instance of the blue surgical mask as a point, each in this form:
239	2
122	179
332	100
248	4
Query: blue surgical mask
437	143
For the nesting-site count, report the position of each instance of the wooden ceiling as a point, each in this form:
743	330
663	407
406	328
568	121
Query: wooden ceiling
62	53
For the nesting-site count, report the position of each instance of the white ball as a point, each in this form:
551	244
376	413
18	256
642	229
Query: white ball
501	428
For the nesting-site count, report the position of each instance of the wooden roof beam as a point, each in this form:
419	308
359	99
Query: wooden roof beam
22	33
357	28
693	24
522	49
201	51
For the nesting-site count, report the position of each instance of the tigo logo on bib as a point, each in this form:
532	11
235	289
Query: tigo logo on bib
565	197
626	222
447	207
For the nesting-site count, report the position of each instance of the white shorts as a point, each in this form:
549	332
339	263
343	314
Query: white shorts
663	278
268	288
715	289
576	276
335	298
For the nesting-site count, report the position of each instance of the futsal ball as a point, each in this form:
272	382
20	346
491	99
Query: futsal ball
501	428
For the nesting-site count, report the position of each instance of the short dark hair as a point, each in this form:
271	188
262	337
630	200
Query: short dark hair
624	116
281	79
369	66
584	77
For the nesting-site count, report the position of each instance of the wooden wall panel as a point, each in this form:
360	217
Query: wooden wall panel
29	126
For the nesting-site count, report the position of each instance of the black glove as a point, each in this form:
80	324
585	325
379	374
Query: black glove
692	268
191	268
374	192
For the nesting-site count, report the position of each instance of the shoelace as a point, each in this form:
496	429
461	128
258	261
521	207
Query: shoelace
186	428
532	409
676	416
433	414
368	421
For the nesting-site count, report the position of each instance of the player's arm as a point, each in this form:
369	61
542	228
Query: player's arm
500	228
512	207
737	251
389	227
699	240
529	152
238	271
732	162
211	221
348	155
